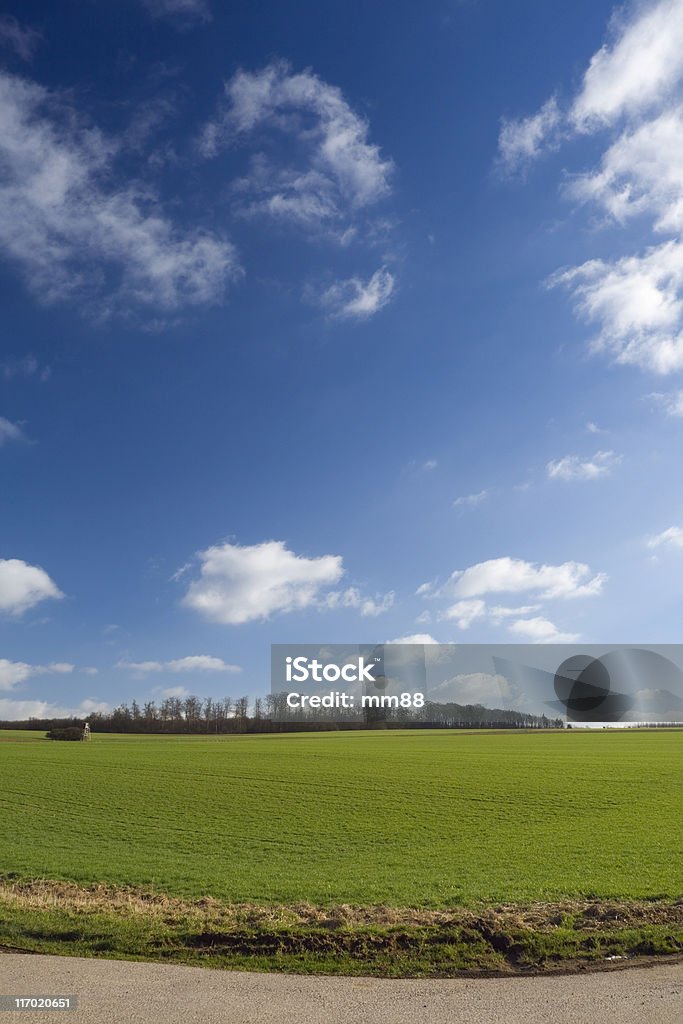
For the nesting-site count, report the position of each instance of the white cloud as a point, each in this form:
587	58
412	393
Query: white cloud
179	10
200	663
303	198
472	688
573	467
69	229
340	172
642	172
471	500
10	431
672	403
14	672
414	638
141	667
353	598
637	302
191	663
20	38
23	586
673	537
90	706
639	70
499	612
312	166
240	584
174	691
464	613
17	710
633	87
425	589
514	575
522	140
357	299
541	631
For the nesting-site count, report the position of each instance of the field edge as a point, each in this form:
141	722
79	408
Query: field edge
48	916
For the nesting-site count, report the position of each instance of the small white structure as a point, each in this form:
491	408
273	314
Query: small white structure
86	731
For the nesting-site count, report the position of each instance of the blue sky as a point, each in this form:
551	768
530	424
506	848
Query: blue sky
333	323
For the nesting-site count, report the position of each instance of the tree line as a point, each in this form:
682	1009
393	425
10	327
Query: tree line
208	715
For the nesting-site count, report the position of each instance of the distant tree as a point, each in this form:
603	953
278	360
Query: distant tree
149	713
176	709
210	715
242	707
192	711
227	709
241	713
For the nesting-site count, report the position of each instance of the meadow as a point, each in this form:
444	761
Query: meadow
416	818
419	819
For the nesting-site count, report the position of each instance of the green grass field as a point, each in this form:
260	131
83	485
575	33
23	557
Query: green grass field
414	819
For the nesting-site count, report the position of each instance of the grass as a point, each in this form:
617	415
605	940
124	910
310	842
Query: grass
441	821
58	917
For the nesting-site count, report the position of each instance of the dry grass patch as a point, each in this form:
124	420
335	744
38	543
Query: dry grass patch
45	894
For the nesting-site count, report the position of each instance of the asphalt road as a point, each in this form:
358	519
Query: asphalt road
112	991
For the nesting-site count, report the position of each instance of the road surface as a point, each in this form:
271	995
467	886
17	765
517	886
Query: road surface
111	991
